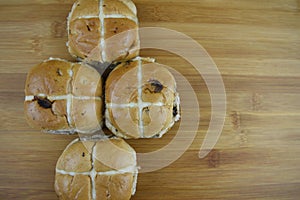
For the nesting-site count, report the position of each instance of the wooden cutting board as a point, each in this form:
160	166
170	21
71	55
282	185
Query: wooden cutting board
256	46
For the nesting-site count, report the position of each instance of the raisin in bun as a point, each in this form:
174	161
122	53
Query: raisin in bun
141	99
103	30
63	97
104	169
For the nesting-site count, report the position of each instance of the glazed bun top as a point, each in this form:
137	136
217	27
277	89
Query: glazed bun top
95	170
140	97
103	30
63	97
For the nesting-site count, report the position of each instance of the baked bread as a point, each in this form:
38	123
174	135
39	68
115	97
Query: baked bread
63	97
141	99
103	30
105	169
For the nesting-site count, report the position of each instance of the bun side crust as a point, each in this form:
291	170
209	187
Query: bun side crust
141	100
82	170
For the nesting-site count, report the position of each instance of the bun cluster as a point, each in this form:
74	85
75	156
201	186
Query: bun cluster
135	97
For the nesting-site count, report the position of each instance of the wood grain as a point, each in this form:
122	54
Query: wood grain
256	45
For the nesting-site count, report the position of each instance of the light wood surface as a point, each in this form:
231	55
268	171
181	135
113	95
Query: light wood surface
256	45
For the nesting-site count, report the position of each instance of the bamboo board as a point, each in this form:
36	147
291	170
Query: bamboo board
256	46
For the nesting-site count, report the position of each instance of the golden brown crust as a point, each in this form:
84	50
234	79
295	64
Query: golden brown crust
75	188
140	113
54	118
84	8
86	81
121	155
81	174
50	77
121	39
158	84
156	119
76	157
62	97
87	115
112	7
115	187
87	31
84	38
119	78
125	121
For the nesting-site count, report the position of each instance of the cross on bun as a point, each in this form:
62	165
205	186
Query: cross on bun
96	170
141	99
63	97
103	30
